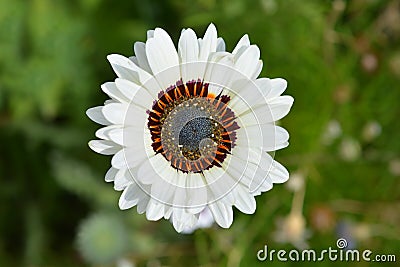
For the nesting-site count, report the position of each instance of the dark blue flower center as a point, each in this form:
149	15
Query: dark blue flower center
191	128
194	132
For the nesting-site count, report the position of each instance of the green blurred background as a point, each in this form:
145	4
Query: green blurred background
342	63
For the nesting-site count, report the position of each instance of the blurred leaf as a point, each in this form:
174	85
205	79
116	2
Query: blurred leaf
80	179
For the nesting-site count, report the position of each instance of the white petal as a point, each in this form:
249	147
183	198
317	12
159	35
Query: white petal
150	34
257	70
218	72
253	178
163	58
244	201
250	175
125	114
118	161
182	219
188	48
264	85
208	44
127	69
278	87
104	147
164	189
241	172
152	169
128	89
136	94
243	42
140	52
117	135
144	200
181	194
131	137
280	106
245	94
112	90
266	136
110	101
115	112
262	182
247	63
260	158
103	133
275	109
267	172
270	172
278	173
141	206
197	193
110	175
222	213
206	220
123	67
154	210
134	60
168	212
133	195
129	197
219	185
128	158
136	115
122	180
96	115
220	45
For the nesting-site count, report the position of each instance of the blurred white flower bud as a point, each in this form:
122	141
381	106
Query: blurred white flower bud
394	166
292	229
333	130
296	182
394	64
371	130
369	62
125	263
362	231
269	6
350	149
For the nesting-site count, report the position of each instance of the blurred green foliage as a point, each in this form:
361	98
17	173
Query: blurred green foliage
342	62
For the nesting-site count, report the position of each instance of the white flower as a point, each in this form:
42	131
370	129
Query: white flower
190	129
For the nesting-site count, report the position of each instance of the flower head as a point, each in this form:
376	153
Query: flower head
190	128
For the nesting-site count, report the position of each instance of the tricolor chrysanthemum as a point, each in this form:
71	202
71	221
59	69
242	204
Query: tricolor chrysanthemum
191	128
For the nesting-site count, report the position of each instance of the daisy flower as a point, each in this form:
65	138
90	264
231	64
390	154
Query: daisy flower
190	128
